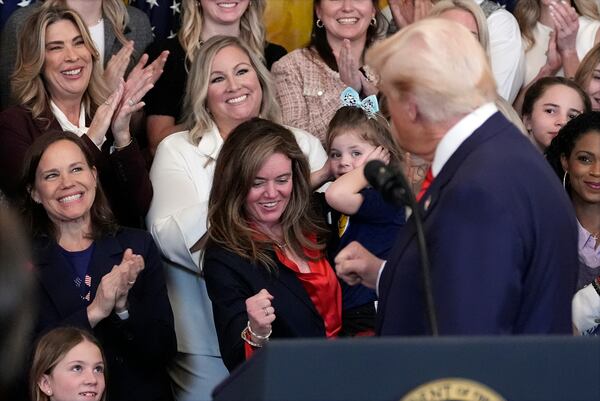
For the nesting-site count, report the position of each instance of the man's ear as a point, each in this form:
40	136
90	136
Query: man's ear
412	108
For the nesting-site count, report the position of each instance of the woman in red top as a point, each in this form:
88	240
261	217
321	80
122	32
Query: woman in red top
265	271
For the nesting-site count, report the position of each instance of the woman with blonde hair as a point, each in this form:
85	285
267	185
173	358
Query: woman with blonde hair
201	20
588	76
466	10
556	35
228	85
120	33
58	86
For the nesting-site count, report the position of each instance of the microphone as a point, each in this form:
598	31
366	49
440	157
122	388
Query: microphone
388	181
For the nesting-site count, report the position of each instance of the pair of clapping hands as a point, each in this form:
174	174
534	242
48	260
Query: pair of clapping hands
113	290
563	37
126	95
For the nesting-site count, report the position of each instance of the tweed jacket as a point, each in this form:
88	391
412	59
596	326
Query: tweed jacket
307	90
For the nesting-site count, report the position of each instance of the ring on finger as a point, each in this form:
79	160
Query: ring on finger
131	102
266	311
106	102
131	282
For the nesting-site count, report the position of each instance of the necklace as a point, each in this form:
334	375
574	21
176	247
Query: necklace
280	245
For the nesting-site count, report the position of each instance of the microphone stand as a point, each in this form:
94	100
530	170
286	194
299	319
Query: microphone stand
394	187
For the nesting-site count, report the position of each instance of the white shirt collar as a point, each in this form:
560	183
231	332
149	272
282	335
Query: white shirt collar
458	134
67	125
211	143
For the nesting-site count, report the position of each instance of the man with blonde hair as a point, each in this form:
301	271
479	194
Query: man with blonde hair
501	233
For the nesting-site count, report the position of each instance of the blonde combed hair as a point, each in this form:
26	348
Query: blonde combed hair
197	117
28	84
471	7
439	64
114	10
252	29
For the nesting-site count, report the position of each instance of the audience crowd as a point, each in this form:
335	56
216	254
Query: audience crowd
184	201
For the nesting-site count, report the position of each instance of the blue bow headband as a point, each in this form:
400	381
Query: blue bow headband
350	97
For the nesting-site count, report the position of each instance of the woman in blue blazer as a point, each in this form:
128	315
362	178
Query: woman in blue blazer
93	274
265	269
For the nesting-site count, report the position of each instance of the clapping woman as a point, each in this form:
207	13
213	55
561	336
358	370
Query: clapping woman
93	274
310	80
59	87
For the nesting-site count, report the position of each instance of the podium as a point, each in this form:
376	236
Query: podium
515	368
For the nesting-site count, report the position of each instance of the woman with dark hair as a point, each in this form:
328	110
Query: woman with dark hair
575	157
68	363
58	86
93	274
264	265
549	103
310	80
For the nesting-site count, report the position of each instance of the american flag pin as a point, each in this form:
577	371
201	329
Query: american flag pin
427	203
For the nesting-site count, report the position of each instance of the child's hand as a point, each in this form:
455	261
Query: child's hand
379	153
321	176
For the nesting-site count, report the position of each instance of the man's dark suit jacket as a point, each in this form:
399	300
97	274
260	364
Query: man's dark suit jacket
137	349
231	279
502	241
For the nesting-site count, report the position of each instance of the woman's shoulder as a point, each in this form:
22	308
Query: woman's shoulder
300	56
176	143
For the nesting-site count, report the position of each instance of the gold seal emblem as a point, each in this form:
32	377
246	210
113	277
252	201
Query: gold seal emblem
452	389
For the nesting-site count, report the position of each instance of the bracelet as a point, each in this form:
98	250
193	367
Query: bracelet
124	146
246	336
266	337
596	285
123	315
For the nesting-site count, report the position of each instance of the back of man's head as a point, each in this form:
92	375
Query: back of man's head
437	62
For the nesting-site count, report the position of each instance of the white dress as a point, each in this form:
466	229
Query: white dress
535	57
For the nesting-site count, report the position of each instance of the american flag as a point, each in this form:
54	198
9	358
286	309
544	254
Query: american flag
164	16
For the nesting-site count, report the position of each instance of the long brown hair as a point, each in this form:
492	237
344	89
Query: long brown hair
243	153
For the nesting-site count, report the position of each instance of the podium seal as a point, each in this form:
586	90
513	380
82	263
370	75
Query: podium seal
452	389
